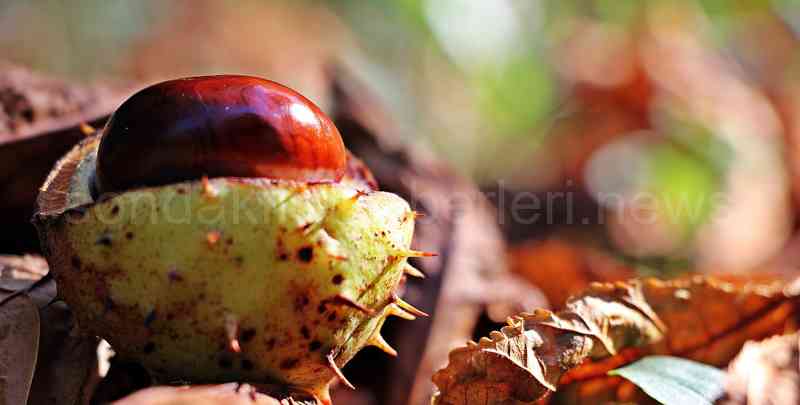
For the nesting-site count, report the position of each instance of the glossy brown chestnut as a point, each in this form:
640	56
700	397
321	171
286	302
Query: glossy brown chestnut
215	126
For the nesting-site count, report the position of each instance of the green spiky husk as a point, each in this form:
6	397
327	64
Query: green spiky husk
172	275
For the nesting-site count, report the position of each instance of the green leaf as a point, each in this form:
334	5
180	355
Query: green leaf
672	380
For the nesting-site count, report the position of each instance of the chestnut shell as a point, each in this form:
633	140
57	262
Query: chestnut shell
215	126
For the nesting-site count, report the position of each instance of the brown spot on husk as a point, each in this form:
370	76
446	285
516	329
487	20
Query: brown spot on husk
305	254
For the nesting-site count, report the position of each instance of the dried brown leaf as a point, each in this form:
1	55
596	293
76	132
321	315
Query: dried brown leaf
66	360
19	339
607	326
67	368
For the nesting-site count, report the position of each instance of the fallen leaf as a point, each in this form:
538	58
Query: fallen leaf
606	327
19	338
525	360
67	368
66	361
675	381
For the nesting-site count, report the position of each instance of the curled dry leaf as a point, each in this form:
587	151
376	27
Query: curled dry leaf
226	394
607	326
65	361
19	338
765	373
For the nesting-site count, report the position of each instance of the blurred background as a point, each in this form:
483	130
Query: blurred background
616	137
